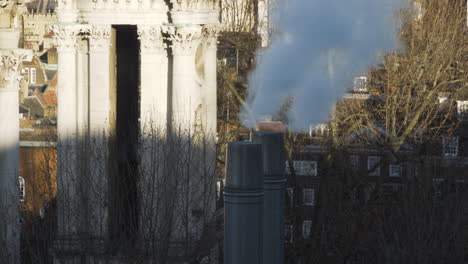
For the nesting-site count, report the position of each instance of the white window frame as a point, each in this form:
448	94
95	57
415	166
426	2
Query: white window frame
357	81
288	230
371	165
305	167
450	146
22	188
308	192
354	161
33	78
306	228
462	110
394	170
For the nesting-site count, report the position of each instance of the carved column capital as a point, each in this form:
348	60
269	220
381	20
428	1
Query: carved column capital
184	40
211	33
99	37
10	61
66	36
150	38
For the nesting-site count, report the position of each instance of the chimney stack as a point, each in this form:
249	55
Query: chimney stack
274	182
243	204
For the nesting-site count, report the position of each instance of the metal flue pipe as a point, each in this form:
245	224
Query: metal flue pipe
243	204
274	181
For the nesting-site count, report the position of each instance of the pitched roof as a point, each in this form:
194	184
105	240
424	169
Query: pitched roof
50	97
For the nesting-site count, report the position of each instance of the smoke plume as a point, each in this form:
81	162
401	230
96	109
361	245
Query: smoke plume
320	47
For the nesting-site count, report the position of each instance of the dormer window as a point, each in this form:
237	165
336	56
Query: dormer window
450	146
360	84
33	75
462	110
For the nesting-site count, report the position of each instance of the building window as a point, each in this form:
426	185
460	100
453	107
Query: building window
306	227
373	165
394	170
288	233
33	75
354	161
309	197
450	146
303	168
360	84
290	193
22	190
462	109
26	74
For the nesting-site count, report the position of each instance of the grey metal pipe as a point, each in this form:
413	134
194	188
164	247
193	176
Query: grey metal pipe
243	204
274	190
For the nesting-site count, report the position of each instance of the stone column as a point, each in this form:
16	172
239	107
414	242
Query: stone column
211	33
186	101
153	95
208	115
69	206
99	128
153	125
186	94
10	61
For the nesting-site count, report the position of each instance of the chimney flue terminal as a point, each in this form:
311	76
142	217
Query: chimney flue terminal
243	204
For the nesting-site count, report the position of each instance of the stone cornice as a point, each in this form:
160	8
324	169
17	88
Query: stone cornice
184	40
10	61
191	5
150	37
66	36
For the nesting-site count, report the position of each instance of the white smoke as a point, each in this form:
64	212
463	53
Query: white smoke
323	44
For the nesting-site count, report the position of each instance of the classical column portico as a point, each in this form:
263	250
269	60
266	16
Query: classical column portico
134	180
211	33
153	94
10	60
69	209
100	119
186	93
153	125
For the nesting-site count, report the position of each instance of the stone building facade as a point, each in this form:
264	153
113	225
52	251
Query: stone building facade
35	30
11	58
125	70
